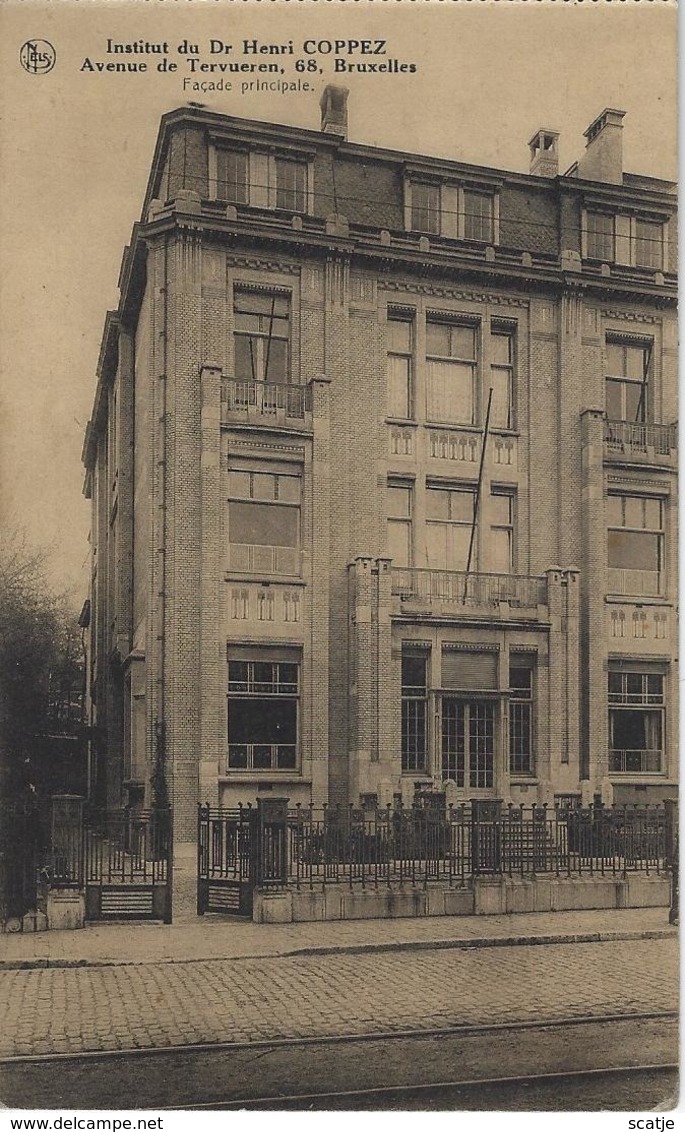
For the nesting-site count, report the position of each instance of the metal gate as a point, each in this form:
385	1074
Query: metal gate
127	864
23	839
227	852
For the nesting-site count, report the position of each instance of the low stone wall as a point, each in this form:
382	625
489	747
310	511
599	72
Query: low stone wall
484	897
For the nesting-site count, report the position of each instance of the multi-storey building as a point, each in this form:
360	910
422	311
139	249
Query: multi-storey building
383	475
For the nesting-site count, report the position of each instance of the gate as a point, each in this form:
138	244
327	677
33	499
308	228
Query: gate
227	853
126	861
23	840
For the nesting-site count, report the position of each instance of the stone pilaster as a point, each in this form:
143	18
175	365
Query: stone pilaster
212	687
319	600
594	720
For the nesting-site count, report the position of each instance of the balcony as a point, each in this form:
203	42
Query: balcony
634	762
636	583
482	593
261	403
640	443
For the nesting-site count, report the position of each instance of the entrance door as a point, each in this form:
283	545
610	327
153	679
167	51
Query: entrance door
468	742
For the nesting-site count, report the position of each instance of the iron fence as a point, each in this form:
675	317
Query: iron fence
414	845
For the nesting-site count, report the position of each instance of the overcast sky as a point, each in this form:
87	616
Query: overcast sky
76	149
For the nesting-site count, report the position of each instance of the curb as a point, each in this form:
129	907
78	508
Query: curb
462	944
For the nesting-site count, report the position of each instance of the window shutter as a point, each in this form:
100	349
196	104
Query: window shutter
472	671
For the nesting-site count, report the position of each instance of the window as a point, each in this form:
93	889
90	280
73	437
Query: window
627	381
232	176
261	336
400	353
478	216
502	531
649	244
635	544
264	521
400	524
600	236
468	740
263	709
291	185
502	378
449	514
636	721
425	207
521	759
414	711
451	371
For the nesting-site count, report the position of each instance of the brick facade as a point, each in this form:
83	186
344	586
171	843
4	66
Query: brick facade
177	595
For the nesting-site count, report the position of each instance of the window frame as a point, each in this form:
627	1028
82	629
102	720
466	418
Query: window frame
469	217
448	524
453	322
509	332
409	357
406	522
260	356
300	201
225	153
433	211
522	703
509	493
280	691
625	380
626	242
277	473
659	533
649	705
414	700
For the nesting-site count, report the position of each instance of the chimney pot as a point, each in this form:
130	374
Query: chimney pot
334	111
544	153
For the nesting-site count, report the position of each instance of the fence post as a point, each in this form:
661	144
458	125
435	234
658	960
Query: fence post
272	841
672	861
66	840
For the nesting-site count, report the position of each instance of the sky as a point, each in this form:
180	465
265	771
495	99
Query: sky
76	148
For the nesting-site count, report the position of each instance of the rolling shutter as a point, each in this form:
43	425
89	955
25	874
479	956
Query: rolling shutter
472	671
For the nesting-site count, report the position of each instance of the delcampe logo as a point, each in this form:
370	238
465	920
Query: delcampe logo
37	56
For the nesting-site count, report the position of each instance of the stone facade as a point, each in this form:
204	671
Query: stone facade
278	487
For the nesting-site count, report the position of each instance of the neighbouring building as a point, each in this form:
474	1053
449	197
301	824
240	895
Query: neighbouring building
315	571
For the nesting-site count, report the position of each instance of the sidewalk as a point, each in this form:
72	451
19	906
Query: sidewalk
224	937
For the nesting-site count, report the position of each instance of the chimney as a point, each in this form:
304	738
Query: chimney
334	111
544	155
603	157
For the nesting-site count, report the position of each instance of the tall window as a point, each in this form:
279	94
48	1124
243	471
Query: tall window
291	185
468	740
425	207
521	759
600	236
261	336
635	544
232	176
400	356
649	244
502	344
263	709
478	216
451	371
636	722
502	506
627	381
400	524
264	521
414	711
449	515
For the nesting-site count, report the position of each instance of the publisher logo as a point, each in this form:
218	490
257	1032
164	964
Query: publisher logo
37	56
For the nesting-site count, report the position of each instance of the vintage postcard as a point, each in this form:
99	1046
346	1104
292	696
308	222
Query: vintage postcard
338	563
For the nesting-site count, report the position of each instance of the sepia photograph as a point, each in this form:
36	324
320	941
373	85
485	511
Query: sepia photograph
338	560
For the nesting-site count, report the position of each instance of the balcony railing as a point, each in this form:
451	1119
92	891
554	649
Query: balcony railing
638	583
266	399
451	587
632	438
634	762
251	559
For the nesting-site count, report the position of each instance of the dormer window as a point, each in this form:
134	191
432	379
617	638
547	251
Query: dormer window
438	207
624	238
291	185
478	216
232	176
649	244
600	236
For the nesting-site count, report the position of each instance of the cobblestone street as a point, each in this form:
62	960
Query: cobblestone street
156	1005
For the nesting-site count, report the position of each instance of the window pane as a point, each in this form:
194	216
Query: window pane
231	176
239	484
652	514
237	674
615	511
635	362
478	216
286	757
436	546
399	335
450	392
500	349
399	543
237	757
437	503
463	342
289	489
634	550
414	673
399	502
648	246
521	679
635	397
634	511
459	550
615	359
259	524
614	406
600	236
500	550
615	684
425	210
276	360
287	676
399	387
264	486
461	506
655	688
245	358
500	509
437	339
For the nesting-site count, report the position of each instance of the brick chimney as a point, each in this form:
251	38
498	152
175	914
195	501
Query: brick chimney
603	157
334	111
544	154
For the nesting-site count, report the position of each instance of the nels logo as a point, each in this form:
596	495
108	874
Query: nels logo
37	56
